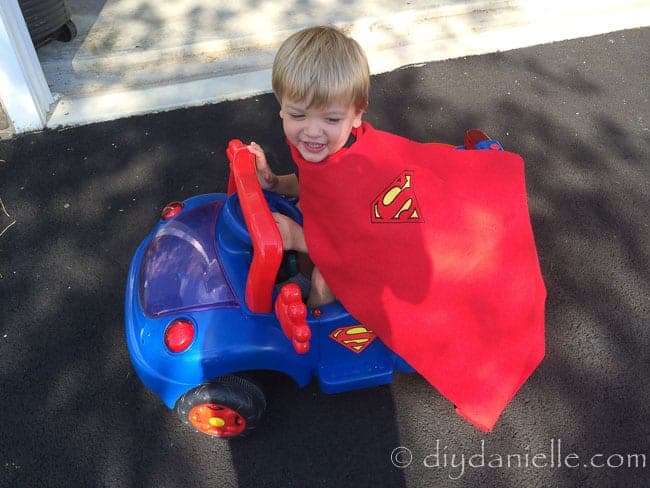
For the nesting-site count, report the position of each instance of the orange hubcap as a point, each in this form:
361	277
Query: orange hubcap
217	420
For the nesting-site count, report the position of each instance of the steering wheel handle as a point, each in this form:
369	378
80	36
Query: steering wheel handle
235	217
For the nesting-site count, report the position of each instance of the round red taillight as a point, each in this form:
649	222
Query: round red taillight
179	335
171	210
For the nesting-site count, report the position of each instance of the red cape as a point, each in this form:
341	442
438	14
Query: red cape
432	248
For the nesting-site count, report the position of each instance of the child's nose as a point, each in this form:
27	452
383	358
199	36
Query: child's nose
313	129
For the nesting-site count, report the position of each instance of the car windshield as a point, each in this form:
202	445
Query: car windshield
180	270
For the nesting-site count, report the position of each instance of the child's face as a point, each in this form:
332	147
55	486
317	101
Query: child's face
318	132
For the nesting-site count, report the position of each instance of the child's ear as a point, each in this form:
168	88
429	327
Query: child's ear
356	123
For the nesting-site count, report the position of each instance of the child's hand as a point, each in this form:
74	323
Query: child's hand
268	180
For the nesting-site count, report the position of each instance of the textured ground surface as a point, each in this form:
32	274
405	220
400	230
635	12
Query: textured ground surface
74	413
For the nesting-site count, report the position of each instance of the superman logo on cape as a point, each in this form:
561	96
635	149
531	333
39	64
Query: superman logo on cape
453	285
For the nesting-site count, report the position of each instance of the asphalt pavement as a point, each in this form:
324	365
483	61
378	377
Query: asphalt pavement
79	201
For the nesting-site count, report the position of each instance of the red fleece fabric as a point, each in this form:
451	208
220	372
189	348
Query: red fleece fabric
432	248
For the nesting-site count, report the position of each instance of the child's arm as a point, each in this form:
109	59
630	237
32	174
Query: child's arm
283	184
287	185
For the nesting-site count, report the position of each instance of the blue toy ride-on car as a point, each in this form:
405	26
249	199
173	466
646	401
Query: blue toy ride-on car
205	306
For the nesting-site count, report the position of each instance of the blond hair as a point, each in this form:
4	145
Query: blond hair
321	65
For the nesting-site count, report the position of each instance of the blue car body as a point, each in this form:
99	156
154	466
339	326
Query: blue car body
194	266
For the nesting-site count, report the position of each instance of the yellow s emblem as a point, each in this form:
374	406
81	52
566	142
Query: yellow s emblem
397	203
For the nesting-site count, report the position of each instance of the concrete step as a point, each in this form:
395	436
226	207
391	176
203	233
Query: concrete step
132	57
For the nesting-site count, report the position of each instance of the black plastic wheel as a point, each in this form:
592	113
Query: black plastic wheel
67	32
230	406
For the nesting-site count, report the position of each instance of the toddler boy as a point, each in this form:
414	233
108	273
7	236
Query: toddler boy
321	80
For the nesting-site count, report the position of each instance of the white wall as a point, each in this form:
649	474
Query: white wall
24	92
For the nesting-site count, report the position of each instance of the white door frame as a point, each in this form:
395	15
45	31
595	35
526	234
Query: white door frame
24	92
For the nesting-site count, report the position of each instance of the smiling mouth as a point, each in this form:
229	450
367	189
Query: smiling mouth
314	147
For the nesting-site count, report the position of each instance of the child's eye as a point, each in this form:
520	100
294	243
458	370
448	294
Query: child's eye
333	120
297	116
